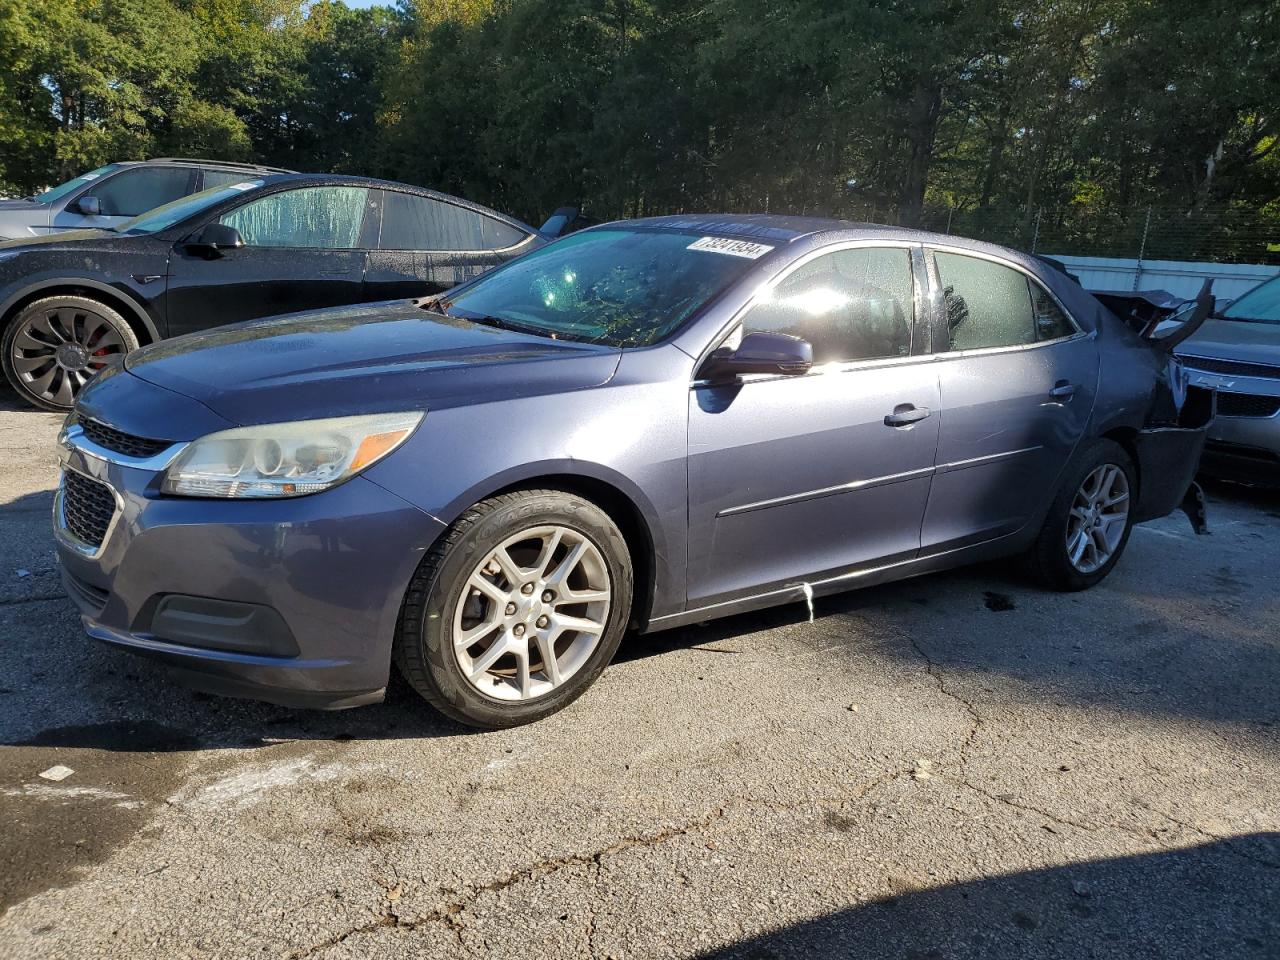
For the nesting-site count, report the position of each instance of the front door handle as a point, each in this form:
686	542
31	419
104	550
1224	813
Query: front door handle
1063	390
905	414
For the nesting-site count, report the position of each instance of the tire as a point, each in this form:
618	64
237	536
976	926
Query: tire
1050	558
443	602
54	346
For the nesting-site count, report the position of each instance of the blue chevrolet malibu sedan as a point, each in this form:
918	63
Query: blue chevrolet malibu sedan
642	425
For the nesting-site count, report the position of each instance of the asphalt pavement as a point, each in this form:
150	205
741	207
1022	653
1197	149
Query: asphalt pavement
958	766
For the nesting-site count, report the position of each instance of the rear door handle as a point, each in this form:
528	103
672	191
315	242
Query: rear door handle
1062	390
905	414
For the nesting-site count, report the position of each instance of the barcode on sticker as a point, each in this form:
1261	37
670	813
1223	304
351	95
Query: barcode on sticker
733	248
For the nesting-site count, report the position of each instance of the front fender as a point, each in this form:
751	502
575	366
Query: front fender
631	438
51	285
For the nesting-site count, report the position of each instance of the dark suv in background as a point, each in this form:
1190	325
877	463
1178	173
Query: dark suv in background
110	195
262	244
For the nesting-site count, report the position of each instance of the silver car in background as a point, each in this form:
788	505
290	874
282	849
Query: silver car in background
1237	353
104	198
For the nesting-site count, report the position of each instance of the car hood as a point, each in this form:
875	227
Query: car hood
1235	340
7	205
366	359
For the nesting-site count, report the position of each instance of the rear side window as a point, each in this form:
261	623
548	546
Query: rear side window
1051	322
139	189
411	222
850	305
220	178
310	217
990	305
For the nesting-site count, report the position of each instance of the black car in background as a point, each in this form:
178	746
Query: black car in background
262	245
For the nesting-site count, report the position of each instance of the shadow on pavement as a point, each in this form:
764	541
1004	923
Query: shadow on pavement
1164	635
1212	902
59	689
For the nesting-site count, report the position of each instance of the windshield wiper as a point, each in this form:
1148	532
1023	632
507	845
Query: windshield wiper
489	320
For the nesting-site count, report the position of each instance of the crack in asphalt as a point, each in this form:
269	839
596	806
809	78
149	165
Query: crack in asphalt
450	912
978	721
1209	835
43	598
591	907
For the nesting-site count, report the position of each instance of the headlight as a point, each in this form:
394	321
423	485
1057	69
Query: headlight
286	459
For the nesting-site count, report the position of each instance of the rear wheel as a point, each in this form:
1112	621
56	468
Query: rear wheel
1088	524
54	346
517	609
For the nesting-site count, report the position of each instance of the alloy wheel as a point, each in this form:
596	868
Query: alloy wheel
1098	518
56	352
532	612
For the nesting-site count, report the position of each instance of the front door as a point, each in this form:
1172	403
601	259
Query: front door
302	252
793	479
126	194
1018	380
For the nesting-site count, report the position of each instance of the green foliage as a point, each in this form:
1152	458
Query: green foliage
979	113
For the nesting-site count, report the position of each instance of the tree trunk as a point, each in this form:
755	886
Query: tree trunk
922	130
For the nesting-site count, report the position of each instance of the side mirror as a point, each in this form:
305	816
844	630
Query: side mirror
760	352
89	206
214	238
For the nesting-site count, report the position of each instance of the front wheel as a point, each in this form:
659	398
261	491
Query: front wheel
517	609
1088	524
56	345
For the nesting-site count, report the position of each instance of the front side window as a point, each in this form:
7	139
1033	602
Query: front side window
852	304
625	288
990	305
139	189
311	217
71	186
411	222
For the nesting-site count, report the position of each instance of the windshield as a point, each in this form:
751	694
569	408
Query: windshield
626	288
62	189
161	218
1261	304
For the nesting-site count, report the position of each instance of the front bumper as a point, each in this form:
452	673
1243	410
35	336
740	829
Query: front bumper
292	601
1242	447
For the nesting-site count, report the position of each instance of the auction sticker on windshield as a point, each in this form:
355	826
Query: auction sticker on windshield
733	248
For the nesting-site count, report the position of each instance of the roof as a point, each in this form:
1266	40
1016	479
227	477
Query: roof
215	164
756	226
275	179
785	230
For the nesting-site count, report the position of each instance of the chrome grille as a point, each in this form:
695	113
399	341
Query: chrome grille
87	508
117	441
1246	405
1239	368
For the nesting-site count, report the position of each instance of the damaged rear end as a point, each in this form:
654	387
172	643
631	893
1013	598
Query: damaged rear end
1172	437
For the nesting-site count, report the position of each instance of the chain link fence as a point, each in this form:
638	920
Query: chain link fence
1225	234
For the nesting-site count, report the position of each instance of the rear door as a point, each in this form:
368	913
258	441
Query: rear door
303	249
1018	379
798	479
427	245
